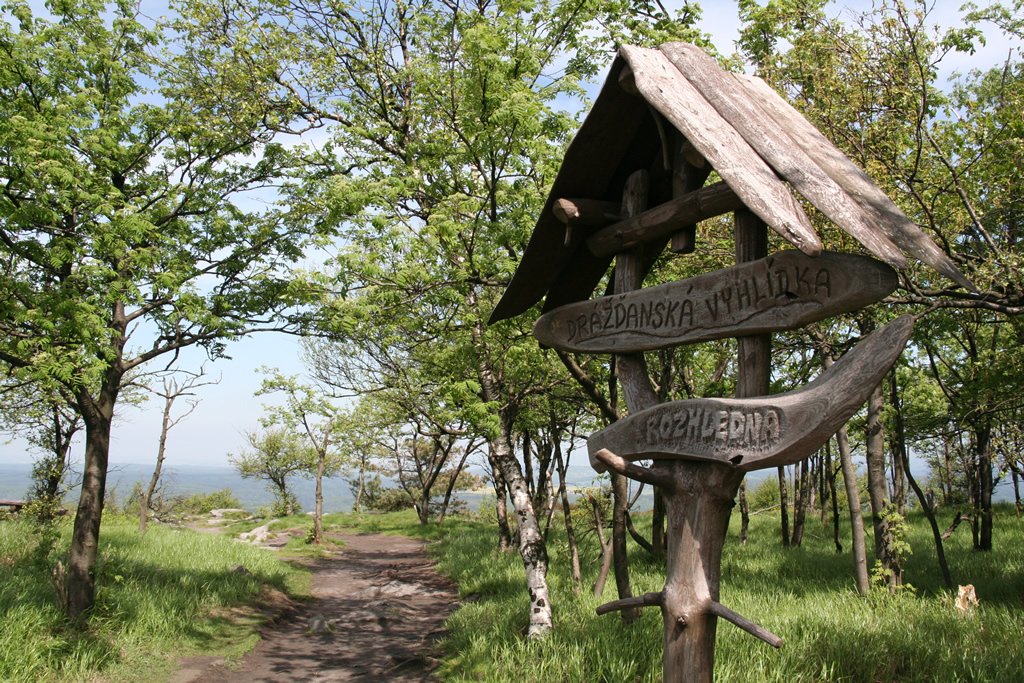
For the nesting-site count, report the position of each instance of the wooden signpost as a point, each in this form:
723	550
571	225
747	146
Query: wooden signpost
663	120
755	433
780	292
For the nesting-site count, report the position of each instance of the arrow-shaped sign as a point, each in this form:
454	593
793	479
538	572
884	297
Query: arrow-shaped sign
760	432
781	292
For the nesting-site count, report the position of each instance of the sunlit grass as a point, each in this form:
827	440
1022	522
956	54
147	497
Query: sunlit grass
806	595
171	593
161	595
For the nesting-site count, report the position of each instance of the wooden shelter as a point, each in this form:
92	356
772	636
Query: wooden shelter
664	119
674	112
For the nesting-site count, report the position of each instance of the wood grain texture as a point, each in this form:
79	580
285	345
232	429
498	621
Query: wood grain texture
887	216
587	212
629	275
755	433
783	291
740	109
665	219
735	161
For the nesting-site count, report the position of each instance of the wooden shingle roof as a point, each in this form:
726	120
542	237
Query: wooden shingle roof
760	146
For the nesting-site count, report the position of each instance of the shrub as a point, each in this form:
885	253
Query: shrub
202	503
390	500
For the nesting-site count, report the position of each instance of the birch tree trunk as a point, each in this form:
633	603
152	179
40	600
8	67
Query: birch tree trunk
860	560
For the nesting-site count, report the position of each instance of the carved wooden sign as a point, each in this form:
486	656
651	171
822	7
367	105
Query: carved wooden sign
759	432
781	292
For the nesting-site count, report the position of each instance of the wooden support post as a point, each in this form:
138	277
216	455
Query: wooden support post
699	506
689	171
636	384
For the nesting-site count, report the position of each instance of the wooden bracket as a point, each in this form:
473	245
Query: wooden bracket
720	610
645	600
661	221
629	469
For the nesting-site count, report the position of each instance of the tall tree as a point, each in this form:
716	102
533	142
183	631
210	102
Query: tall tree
122	229
309	413
948	153
448	112
274	455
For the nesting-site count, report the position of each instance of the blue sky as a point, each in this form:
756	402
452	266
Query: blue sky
226	410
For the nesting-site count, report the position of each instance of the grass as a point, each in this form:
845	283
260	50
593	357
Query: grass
806	595
173	593
162	595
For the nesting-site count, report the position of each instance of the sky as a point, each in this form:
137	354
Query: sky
228	409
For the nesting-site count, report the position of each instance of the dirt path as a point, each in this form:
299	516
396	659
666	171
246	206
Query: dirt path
378	609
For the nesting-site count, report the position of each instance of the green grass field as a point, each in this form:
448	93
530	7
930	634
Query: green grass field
806	595
166	594
174	593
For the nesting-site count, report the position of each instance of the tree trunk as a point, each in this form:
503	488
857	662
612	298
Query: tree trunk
146	496
830	473
784	506
620	499
500	505
532	548
658	539
80	583
450	488
947	472
357	504
900	451
318	508
983	455
860	554
744	512
570	530
1016	488
878	489
698	518
606	548
800	501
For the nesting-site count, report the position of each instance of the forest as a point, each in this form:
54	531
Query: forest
366	175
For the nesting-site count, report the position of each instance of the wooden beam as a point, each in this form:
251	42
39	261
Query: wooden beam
586	212
663	220
731	156
689	172
755	433
783	291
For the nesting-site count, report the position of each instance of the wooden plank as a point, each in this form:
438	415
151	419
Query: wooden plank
663	220
889	218
755	433
612	132
730	155
735	104
689	172
783	291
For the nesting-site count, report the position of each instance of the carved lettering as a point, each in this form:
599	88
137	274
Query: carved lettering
686	312
699	429
733	299
743	298
736	422
803	284
823	283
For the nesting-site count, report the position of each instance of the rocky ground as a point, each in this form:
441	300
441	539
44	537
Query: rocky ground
377	612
